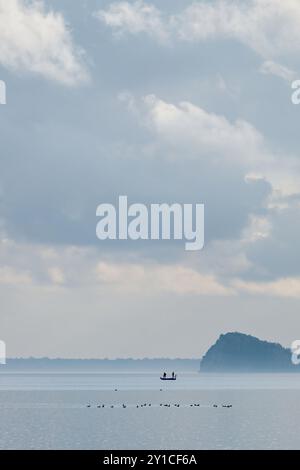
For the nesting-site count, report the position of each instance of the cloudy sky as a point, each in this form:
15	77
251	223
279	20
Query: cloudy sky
173	101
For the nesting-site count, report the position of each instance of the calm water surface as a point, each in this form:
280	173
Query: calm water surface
49	411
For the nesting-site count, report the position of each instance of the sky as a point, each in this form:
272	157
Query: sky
174	101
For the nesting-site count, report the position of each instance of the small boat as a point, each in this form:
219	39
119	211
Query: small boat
169	378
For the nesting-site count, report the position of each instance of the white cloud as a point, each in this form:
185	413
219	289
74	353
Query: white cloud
286	287
72	267
37	41
38	265
199	132
56	275
14	276
175	279
136	17
273	68
269	27
258	228
69	267
187	131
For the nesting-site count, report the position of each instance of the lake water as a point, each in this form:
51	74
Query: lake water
59	411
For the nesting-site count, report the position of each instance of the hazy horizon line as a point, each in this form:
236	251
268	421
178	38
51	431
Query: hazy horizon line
105	358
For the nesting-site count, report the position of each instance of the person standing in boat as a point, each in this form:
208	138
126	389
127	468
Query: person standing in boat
164	375
173	375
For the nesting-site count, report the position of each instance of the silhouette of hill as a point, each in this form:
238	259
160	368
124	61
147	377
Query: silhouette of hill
238	352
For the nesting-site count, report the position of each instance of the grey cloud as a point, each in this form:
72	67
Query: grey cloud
277	256
64	150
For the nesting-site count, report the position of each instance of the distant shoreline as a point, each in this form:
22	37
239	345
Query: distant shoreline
146	364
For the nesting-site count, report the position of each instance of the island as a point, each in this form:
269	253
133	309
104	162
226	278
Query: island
238	352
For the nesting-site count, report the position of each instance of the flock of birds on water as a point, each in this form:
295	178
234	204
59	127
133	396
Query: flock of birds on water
166	405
